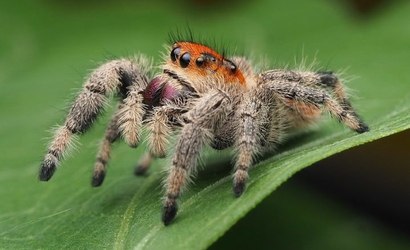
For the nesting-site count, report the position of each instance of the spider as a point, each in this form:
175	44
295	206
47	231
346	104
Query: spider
207	99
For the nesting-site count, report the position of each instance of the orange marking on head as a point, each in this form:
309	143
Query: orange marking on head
201	60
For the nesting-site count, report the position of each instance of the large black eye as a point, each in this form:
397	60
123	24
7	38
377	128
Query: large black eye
175	53
184	60
200	61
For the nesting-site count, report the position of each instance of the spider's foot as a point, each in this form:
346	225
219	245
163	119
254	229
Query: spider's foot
98	178
143	164
239	180
362	128
140	170
239	188
47	169
169	211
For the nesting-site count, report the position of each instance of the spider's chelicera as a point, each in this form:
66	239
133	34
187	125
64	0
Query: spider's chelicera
206	99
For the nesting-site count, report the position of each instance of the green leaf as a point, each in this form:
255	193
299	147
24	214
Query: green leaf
47	52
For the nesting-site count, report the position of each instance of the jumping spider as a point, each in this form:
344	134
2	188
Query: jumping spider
208	99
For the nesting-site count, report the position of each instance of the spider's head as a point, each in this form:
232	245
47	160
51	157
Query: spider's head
190	68
191	61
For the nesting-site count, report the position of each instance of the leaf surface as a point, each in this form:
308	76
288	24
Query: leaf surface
40	68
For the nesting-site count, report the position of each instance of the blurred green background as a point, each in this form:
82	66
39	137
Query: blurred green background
359	199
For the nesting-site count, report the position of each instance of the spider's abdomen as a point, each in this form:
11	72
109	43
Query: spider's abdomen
157	90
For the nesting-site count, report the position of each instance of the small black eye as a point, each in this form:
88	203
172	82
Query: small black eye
184	60
200	61
231	66
175	53
209	57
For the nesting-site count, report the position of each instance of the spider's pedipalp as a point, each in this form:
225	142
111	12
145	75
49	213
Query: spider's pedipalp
130	115
159	131
110	78
160	125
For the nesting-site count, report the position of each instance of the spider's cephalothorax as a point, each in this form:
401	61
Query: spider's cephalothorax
207	99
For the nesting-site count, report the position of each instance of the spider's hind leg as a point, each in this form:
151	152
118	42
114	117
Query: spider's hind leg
307	91
109	78
329	79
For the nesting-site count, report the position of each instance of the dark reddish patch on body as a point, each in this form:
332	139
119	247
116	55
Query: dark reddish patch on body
157	90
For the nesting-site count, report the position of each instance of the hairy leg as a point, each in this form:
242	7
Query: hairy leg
130	115
325	81
315	97
322	79
254	123
103	156
197	130
112	77
331	80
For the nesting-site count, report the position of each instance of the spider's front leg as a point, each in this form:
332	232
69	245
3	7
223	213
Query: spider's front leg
112	77
198	129
259	123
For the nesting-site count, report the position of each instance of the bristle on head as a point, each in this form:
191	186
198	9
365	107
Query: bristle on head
187	35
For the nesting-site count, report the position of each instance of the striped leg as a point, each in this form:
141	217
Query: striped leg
110	78
103	156
197	131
